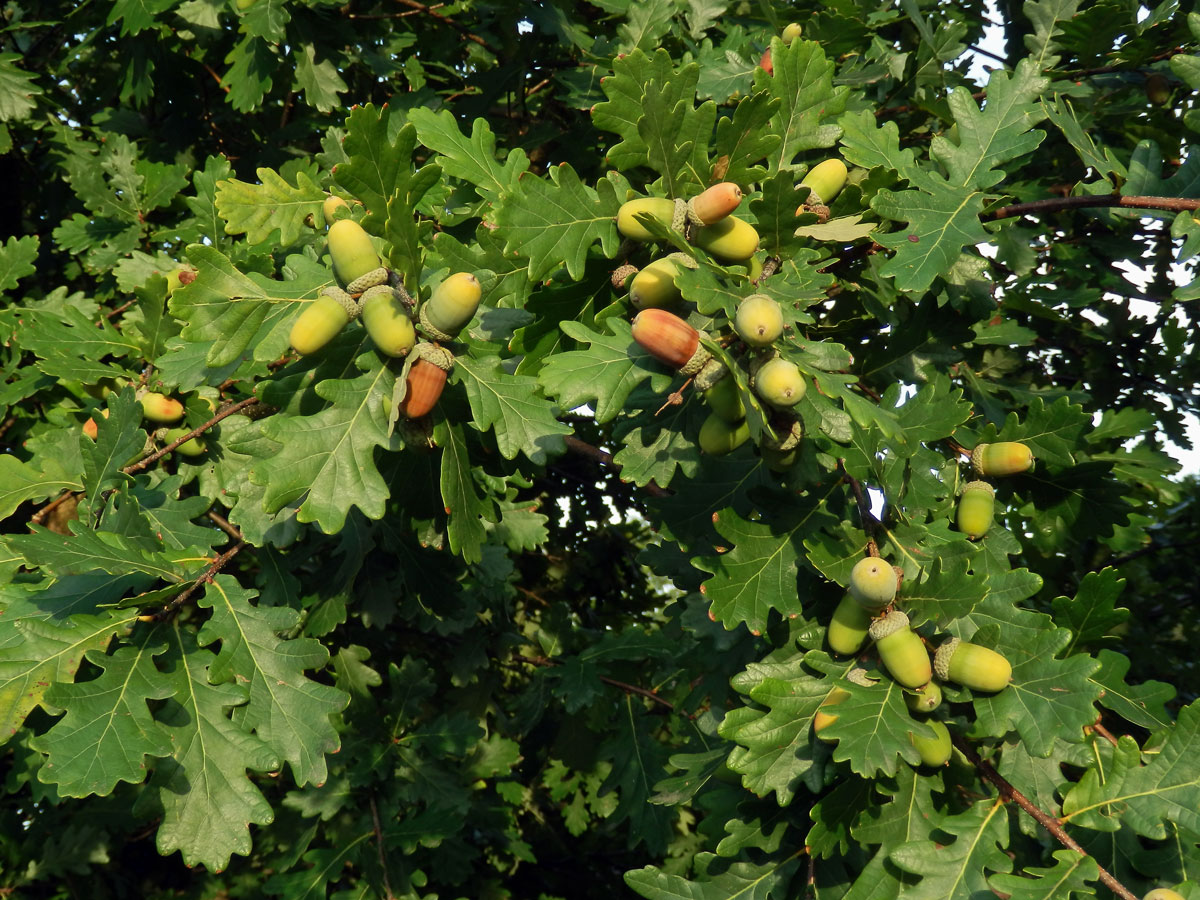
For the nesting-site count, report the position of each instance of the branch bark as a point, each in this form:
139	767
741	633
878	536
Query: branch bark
1008	792
575	445
1059	204
623	685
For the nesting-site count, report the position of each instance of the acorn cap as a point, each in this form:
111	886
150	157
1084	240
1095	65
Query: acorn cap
979	486
432	353
941	659
888	625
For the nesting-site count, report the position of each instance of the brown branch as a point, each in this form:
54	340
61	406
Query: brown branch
387	888
113	313
575	445
40	516
465	32
623	685
225	525
871	525
154	457
1047	821
1104	733
213	72
206	577
1058	204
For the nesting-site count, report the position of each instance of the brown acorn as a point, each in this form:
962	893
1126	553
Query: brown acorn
670	340
716	202
427	376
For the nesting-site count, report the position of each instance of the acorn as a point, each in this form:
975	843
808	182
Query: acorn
779	383
975	509
194	447
331	205
1158	89
319	324
430	367
351	250
157	408
848	628
935	751
901	651
758	321
823	720
660	209
825	181
765	62
451	306
716	202
972	666
1003	458
670	340
654	286
1163	894
731	240
790	32
92	428
724	399
718	437
873	584
924	699
387	322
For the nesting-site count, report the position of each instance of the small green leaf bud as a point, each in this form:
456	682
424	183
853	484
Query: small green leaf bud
901	651
972	666
935	751
847	630
873	584
1003	458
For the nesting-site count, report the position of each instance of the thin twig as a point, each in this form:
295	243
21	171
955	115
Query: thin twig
213	72
1047	821
159	454
429	11
206	577
1058	204
40	516
623	685
113	313
1104	733
871	525
575	445
387	887
225	525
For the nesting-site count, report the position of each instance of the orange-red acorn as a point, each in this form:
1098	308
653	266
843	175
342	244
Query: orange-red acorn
716	202
666	337
427	376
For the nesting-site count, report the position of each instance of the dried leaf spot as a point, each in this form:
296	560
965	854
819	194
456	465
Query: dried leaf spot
914	238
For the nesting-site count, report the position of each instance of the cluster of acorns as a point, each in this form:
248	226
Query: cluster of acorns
865	611
707	222
159	410
368	290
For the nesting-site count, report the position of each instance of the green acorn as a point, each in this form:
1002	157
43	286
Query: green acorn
732	240
924	699
779	383
194	447
724	399
451	306
157	408
975	509
351	250
758	321
873	584
935	751
716	202
319	324
901	650
824	181
654	286
848	628
330	207
718	437
823	720
1163	894
387	321
1003	458
972	666
660	209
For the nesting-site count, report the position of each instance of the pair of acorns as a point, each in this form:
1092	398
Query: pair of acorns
365	290
161	410
977	505
871	590
671	340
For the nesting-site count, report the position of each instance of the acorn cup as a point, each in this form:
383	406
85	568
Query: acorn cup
660	209
873	584
924	699
654	286
976	507
429	367
351	250
848	628
901	651
1000	459
716	202
758	321
451	306
670	340
823	720
972	666
934	751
